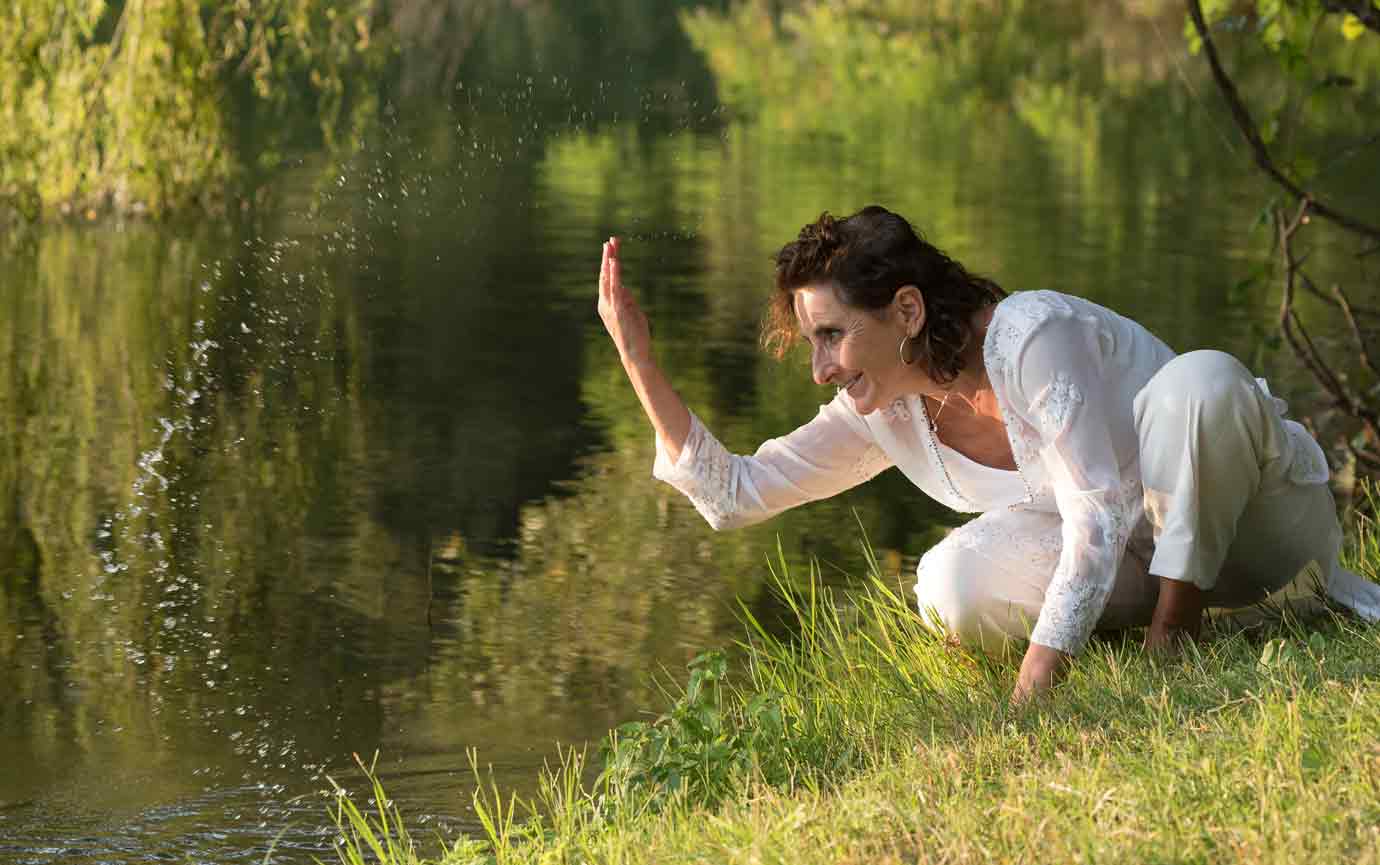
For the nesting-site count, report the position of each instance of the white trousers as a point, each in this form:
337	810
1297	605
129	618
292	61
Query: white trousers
1231	505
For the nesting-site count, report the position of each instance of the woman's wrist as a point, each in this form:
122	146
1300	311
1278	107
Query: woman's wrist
663	406
1179	606
637	361
1040	670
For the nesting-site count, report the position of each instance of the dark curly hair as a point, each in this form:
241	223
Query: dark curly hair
868	256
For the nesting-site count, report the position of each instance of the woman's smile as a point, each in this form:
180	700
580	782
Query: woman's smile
854	350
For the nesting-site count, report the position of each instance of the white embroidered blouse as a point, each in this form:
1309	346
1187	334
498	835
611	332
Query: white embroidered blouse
1065	372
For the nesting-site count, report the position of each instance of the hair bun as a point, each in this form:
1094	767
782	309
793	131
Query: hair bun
822	232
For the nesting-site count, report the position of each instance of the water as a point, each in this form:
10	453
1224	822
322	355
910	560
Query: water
357	471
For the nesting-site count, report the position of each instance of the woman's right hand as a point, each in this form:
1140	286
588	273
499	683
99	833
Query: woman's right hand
628	328
622	317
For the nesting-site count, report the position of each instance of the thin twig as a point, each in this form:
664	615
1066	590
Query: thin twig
1246	124
1308	351
1330	300
1312	287
1192	90
1302	344
1288	320
1345	304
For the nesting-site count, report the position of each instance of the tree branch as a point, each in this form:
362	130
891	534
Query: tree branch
1356	334
1246	124
1298	339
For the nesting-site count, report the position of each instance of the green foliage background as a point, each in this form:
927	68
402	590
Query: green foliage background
1048	142
129	103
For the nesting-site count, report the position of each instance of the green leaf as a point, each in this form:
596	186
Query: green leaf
1275	654
1195	42
1352	28
692	692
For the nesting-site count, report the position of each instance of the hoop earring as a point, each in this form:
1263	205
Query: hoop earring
902	350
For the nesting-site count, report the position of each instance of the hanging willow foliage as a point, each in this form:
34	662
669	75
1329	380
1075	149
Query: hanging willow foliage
142	105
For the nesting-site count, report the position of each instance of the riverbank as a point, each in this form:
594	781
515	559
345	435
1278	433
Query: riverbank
866	740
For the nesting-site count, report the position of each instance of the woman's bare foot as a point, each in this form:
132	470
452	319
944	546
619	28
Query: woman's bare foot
1178	617
1168	641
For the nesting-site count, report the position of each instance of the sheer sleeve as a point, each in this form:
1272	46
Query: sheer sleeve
1061	379
826	456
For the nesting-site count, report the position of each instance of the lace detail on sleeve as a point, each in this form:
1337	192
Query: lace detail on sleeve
873	462
1055	406
703	473
1003	341
1075	600
1044	361
1006	335
824	457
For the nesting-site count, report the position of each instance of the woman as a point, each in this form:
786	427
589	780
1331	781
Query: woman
1118	485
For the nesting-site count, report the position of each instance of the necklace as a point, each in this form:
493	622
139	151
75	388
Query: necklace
932	439
935	419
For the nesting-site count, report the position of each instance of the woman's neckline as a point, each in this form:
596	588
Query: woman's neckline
969	460
929	421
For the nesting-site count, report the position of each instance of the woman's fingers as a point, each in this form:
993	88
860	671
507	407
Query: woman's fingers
622	317
612	295
613	273
604	273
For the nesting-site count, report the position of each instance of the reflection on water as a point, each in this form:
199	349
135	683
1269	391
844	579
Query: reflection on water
362	473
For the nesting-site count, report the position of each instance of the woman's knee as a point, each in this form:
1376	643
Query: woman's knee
943	588
955	596
1203	382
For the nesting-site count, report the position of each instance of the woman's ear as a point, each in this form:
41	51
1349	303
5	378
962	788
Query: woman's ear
909	305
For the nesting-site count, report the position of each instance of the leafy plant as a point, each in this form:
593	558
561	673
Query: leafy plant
702	749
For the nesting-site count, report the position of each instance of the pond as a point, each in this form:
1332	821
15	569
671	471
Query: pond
356	471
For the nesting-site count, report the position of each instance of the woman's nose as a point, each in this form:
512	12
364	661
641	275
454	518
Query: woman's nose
821	365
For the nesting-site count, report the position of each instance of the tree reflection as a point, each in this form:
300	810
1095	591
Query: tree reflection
364	469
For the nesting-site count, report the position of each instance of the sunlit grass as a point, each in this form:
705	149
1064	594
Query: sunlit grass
864	738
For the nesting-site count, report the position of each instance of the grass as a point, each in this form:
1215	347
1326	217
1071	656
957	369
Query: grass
865	739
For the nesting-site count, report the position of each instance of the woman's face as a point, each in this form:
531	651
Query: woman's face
854	349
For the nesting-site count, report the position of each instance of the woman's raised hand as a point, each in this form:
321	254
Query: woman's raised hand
627	326
622	317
